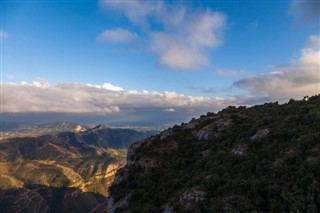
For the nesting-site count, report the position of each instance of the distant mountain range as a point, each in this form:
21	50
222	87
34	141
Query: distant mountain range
19	129
63	170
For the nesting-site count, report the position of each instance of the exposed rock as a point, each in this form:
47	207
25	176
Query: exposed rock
121	175
191	198
192	124
239	150
79	128
165	134
260	134
131	156
212	130
223	124
167	208
122	204
205	133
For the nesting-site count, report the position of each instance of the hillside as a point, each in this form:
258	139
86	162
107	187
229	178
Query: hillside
260	159
64	172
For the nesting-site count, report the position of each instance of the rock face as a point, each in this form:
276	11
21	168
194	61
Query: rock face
212	130
260	134
258	159
189	199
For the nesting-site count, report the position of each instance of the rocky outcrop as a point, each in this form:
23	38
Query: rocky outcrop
213	129
260	134
239	150
120	204
131	156
189	199
167	208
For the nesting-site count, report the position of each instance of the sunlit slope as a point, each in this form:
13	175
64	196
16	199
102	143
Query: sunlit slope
79	165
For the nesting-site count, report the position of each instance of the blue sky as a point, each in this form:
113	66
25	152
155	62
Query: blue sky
206	54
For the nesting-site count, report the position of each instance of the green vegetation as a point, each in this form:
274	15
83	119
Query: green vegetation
260	159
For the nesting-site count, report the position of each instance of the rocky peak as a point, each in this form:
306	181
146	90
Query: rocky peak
79	128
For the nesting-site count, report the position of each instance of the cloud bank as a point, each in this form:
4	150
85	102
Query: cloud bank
294	79
102	101
183	37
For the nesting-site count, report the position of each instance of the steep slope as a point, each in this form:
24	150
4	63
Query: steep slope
71	170
260	159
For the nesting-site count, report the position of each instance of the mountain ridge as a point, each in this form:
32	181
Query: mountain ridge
264	158
48	168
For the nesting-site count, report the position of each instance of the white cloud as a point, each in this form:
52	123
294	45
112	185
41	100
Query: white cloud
186	46
41	96
169	110
136	11
183	38
295	79
110	87
3	34
116	36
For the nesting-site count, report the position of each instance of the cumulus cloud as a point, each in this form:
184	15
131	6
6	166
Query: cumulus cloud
118	35
305	11
3	34
183	37
295	79
169	110
136	11
40	97
185	47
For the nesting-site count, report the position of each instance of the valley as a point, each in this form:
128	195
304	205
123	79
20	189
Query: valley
66	171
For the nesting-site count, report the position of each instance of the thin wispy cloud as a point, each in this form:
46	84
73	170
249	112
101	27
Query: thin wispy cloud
253	25
118	35
3	34
183	37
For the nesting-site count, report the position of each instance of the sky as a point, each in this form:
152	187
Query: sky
143	62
